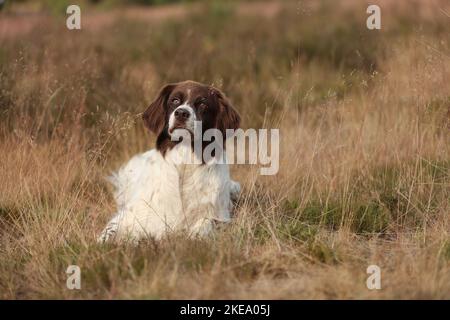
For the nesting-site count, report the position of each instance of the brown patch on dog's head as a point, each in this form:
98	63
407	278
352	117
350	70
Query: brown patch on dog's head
189	100
155	116
227	116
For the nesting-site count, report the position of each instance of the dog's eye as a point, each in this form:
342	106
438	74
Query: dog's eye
202	104
176	101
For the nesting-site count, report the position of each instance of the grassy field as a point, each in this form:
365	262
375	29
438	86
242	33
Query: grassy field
364	119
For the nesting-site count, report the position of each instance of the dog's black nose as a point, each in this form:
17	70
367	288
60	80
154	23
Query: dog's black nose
182	114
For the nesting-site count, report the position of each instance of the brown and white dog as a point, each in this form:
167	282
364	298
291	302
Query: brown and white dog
155	193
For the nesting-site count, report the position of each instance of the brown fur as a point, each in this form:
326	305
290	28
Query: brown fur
209	103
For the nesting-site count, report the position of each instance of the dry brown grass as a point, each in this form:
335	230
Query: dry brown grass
365	154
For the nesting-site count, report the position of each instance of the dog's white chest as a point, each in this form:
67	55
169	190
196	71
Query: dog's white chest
154	196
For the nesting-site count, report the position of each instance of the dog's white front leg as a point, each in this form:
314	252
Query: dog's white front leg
110	231
202	228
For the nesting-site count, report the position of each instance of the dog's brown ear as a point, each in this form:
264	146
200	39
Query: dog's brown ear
228	117
155	115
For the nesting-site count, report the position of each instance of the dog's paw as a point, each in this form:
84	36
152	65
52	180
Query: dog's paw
202	228
108	234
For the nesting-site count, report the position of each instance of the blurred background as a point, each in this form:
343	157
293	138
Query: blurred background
364	159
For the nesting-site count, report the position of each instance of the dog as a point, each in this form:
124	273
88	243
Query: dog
154	192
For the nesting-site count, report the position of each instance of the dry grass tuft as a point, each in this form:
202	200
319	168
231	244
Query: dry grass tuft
365	156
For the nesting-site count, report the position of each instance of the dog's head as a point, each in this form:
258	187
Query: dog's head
180	105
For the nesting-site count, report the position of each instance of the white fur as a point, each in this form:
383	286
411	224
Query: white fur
155	195
190	122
